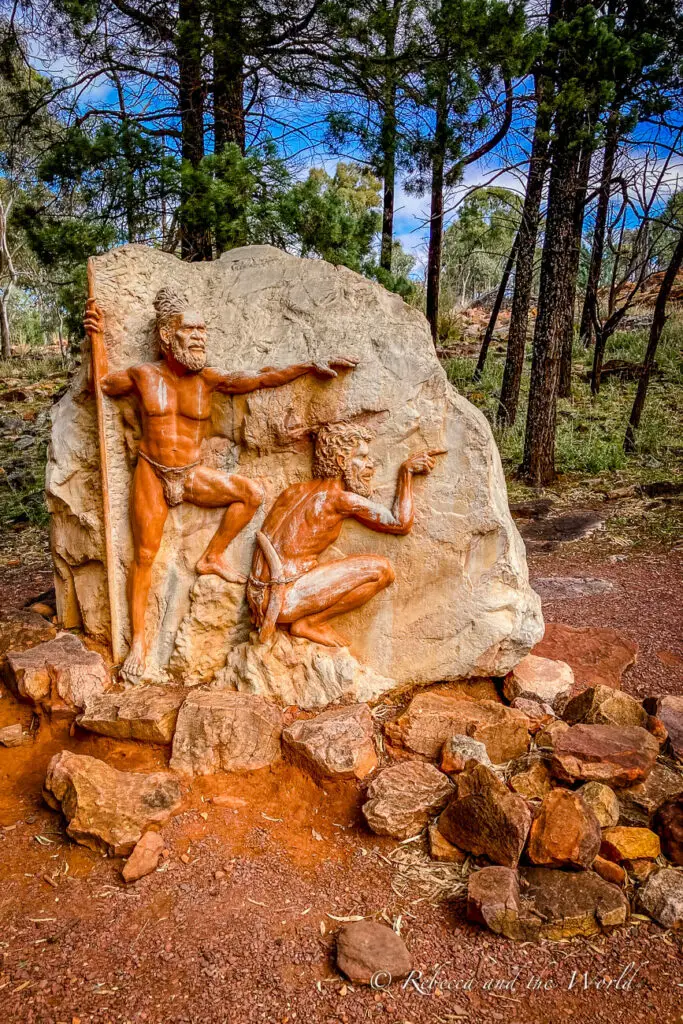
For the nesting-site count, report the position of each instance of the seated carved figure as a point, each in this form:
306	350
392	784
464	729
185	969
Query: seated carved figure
287	585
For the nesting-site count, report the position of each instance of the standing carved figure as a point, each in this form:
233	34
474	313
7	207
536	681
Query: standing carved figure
287	585
175	397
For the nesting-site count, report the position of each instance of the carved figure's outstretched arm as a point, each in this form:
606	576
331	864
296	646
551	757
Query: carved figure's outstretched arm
399	519
271	377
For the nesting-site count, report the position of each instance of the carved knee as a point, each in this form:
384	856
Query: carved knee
145	555
254	494
385	573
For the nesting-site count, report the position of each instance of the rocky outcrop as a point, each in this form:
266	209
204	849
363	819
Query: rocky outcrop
147	713
432	718
402	798
107	809
337	744
540	679
604	753
60	675
222	731
475	616
566	832
368	949
484	817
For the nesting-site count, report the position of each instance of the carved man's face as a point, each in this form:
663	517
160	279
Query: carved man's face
359	471
186	341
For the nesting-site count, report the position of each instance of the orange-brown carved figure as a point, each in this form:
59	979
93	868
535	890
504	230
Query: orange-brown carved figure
287	586
175	398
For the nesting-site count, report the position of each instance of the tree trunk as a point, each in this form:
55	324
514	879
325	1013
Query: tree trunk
565	384
436	212
538	466
388	137
195	233
658	322
590	302
500	295
5	336
524	269
228	75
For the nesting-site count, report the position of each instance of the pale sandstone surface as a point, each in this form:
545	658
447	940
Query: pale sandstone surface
662	897
541	679
337	744
107	809
58	675
145	857
461	605
146	713
402	798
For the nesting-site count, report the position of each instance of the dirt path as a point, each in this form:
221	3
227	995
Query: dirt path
185	947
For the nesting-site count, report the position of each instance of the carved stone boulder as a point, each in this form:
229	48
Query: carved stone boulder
460	604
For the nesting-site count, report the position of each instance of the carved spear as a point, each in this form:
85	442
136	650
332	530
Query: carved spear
98	357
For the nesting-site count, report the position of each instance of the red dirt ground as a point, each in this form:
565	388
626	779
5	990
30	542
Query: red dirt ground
181	947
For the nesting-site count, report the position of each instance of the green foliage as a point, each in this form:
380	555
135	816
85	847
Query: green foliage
477	244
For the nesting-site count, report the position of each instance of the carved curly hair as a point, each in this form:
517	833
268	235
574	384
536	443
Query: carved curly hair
333	440
169	305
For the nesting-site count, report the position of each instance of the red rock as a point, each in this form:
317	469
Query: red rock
542	679
145	857
669	710
657	728
458	751
638	803
493	899
366	949
669	826
432	718
403	797
440	849
639	870
602	800
610	871
533	782
624	843
538	715
60	675
566	832
604	753
22	629
596	654
485	817
573	902
548	735
145	713
603	705
337	744
662	898
107	809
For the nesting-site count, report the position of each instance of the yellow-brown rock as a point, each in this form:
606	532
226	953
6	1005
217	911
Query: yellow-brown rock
624	843
534	782
566	832
440	849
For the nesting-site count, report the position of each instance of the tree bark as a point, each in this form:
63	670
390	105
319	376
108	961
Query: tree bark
388	137
538	466
5	335
500	295
658	322
590	302
228	75
436	212
195	235
565	384
524	269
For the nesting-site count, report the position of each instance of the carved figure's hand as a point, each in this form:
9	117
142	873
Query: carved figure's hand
422	462
93	321
325	371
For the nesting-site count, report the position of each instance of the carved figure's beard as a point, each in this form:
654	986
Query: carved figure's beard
191	360
354	481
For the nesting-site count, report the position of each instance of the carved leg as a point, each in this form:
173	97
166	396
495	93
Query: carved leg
209	488
333	589
148	512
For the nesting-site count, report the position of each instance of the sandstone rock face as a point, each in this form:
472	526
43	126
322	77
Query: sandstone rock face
662	897
669	826
459	750
337	744
484	817
493	899
573	903
145	857
147	713
638	803
566	832
59	675
367	948
22	629
225	731
602	801
291	670
604	753
403	797
596	655
107	809
432	718
461	604
540	679
441	850
602	705
629	844
11	735
533	782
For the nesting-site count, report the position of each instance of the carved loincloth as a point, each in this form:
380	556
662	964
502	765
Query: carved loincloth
172	479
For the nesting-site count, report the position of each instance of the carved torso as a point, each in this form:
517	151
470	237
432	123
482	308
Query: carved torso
175	412
302	523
